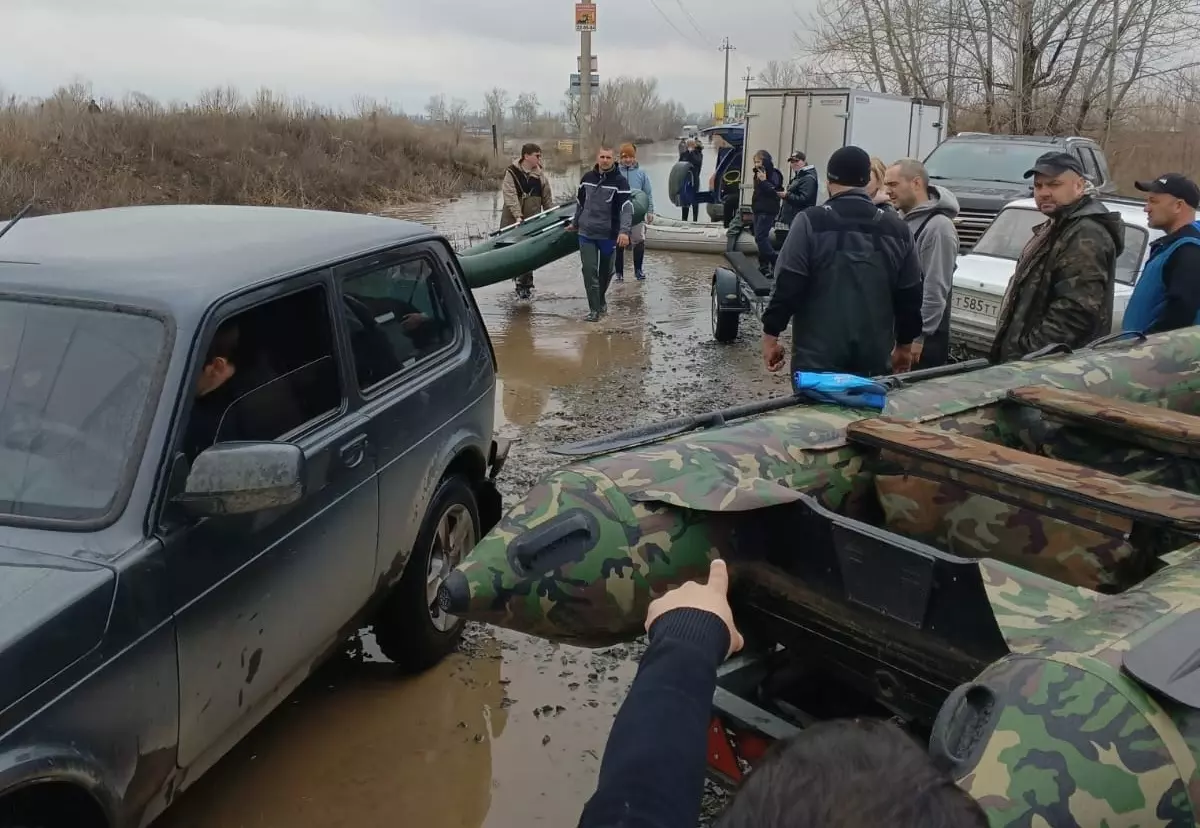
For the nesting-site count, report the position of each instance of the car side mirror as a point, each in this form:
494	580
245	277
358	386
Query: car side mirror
239	478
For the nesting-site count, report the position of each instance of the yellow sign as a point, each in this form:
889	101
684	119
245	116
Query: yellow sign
585	17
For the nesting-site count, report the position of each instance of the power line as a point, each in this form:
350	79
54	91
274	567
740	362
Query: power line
692	20
670	22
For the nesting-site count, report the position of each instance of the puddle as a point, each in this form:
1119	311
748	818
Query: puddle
509	733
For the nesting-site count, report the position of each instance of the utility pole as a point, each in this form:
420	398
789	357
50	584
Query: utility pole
585	93
1019	68
726	48
748	77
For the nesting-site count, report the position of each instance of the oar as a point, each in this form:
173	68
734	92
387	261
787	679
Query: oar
641	435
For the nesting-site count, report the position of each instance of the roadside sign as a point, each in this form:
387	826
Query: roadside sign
577	82
579	63
585	17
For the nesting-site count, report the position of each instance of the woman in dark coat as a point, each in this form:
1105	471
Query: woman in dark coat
693	154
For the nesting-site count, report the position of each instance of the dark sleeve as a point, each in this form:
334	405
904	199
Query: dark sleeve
652	775
1181	281
808	190
765	188
1079	287
791	277
579	197
908	296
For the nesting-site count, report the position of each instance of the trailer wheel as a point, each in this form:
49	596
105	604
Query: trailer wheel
724	321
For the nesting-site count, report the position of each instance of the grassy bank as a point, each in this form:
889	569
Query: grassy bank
69	156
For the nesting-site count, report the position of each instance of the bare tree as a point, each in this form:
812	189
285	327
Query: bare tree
495	103
525	110
456	117
1072	66
779	74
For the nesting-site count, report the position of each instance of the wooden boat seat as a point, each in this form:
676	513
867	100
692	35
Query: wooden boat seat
979	499
1147	426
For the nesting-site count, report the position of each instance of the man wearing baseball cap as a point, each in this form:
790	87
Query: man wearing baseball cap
801	191
1062	289
848	280
1167	296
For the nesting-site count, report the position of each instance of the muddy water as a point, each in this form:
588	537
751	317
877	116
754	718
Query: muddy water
510	730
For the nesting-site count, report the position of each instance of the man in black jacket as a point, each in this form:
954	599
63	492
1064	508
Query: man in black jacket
768	183
848	280
801	192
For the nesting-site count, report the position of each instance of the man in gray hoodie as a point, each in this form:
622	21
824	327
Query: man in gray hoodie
929	212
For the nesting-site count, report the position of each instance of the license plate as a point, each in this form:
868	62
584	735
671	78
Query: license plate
977	304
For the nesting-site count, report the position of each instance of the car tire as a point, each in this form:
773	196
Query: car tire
410	629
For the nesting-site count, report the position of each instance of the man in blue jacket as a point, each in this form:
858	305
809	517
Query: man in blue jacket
638	180
1167	296
604	219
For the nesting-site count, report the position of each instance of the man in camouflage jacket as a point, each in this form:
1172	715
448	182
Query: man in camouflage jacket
1062	290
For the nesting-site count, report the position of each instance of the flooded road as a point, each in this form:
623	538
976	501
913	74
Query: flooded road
509	731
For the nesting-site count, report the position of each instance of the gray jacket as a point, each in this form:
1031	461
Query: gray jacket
937	248
604	207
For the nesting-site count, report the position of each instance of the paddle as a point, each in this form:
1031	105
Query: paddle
641	435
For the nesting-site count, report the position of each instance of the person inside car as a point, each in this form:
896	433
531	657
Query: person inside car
236	399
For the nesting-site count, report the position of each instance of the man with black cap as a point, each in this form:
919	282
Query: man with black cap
1062	290
801	191
849	281
1167	296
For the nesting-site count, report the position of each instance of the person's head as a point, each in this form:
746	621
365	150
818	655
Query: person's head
1171	201
1058	181
219	363
878	174
849	774
797	160
628	155
848	168
531	156
719	141
758	158
907	183
604	158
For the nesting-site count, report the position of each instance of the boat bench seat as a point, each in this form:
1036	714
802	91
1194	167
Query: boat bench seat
979	499
1147	426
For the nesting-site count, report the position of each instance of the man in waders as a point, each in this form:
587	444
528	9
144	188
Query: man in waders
526	193
604	220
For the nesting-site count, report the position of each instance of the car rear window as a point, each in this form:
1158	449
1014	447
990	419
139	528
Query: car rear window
74	385
1007	236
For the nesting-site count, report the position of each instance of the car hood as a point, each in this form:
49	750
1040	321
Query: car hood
53	611
984	274
983	195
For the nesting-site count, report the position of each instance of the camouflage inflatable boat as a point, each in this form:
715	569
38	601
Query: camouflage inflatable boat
1006	559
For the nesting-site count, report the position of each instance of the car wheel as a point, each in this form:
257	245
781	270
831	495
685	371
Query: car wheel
411	629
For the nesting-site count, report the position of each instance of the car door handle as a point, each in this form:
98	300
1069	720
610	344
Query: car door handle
352	453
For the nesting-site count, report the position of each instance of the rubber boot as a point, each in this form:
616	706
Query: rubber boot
619	274
639	258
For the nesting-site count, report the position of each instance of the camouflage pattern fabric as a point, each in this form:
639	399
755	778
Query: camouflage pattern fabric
1149	426
1062	290
944	514
1072	740
664	507
980	464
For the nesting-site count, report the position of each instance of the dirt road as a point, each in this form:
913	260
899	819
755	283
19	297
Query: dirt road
510	730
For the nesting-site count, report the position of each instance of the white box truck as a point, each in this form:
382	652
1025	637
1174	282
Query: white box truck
819	121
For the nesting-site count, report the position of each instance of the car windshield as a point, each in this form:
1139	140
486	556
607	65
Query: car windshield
1007	236
983	160
74	383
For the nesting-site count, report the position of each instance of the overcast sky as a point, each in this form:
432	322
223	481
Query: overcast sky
329	51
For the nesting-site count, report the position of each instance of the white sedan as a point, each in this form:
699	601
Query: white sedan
984	273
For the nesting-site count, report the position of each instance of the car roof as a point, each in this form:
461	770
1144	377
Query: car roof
184	257
1016	139
1131	210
